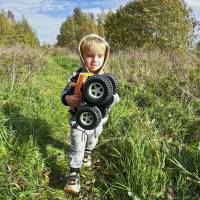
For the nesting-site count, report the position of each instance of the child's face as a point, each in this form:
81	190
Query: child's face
94	58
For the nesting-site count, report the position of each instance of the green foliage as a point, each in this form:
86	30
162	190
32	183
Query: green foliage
6	29
25	35
30	139
139	24
100	24
75	27
157	23
197	49
16	177
13	32
159	111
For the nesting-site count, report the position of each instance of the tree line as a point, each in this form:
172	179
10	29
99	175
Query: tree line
163	24
13	31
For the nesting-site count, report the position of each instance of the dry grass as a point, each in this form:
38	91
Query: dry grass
152	67
60	51
19	63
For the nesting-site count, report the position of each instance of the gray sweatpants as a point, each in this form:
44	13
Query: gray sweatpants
82	140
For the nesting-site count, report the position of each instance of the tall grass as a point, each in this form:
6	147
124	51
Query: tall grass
19	63
149	148
156	127
31	124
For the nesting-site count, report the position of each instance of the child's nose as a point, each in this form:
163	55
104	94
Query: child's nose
95	57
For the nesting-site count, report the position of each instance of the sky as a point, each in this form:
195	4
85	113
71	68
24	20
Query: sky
47	16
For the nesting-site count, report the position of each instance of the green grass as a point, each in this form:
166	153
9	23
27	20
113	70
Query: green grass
149	149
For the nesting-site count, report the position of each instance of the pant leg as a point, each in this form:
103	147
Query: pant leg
81	140
92	137
77	148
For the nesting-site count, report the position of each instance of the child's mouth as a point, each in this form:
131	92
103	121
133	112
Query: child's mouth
94	65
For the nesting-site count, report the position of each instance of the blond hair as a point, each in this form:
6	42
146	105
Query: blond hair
89	42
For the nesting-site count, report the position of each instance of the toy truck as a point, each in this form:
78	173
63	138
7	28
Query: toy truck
97	95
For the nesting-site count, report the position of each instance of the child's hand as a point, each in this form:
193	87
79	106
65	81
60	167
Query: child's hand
73	101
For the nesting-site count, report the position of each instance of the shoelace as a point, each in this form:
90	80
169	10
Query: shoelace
73	179
87	154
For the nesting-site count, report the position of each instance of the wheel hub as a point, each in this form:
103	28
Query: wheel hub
96	90
86	118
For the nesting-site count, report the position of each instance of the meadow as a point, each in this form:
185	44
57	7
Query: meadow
150	147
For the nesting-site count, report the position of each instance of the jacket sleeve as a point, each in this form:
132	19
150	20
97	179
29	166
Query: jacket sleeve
68	90
116	99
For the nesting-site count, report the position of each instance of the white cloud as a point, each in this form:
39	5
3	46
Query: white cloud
34	6
193	3
95	11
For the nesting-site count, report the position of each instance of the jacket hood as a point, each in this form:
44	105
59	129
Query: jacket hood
106	53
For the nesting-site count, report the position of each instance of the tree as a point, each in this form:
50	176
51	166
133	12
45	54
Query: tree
24	34
167	24
100	23
75	27
10	16
6	29
67	36
197	49
16	32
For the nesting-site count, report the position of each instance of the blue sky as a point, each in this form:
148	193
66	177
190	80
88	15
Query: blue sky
46	16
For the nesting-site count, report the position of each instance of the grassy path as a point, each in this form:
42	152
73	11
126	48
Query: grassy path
57	144
56	114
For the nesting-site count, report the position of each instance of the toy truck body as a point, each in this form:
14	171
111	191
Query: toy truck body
79	84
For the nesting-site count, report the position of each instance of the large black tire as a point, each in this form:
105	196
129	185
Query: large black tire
98	89
88	117
108	103
114	81
104	111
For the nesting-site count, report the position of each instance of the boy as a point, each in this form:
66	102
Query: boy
94	53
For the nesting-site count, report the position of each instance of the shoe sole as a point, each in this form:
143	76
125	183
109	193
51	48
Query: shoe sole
70	190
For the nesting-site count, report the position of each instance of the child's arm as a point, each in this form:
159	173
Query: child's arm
116	99
73	101
67	97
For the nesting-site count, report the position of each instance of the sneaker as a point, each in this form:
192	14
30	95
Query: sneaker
87	160
73	183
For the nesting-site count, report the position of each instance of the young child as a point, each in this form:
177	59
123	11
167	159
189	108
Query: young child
94	53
